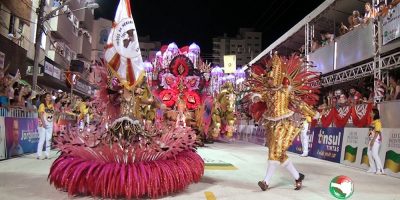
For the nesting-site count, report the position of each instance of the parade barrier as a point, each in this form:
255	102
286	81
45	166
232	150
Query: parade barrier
347	146
324	143
2	139
19	130
21	135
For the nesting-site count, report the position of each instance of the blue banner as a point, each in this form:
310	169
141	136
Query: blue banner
21	135
327	143
296	146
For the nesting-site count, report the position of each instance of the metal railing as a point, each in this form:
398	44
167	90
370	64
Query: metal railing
17	113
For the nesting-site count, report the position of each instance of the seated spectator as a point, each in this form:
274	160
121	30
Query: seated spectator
3	90
394	89
343	29
382	9
342	102
355	97
326	38
315	44
357	20
350	21
370	13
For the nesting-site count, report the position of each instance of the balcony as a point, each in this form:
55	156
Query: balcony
84	48
63	29
57	58
85	18
353	47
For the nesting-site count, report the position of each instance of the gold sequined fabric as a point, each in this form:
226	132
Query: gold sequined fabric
280	135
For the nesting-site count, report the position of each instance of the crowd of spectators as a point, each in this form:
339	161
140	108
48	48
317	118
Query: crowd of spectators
355	20
16	93
358	95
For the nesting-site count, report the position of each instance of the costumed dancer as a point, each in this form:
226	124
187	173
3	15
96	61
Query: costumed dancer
304	135
45	129
181	118
283	87
375	140
223	112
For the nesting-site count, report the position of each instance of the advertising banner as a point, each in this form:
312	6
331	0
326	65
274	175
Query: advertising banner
48	68
297	147
391	25
2	139
21	136
327	143
56	73
355	147
390	151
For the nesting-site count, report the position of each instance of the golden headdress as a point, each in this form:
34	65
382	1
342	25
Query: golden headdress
276	72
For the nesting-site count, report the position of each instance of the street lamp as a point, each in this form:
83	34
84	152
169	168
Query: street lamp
39	30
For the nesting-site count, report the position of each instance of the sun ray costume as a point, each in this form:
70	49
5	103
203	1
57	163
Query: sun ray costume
285	86
223	112
117	156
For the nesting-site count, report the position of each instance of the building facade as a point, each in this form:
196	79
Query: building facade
148	48
101	30
66	41
246	45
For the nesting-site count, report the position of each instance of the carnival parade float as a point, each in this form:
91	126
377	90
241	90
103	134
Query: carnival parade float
122	154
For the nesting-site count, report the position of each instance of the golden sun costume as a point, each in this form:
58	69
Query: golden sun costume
285	89
224	111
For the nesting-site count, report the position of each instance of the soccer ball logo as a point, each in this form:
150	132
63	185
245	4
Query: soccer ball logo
341	187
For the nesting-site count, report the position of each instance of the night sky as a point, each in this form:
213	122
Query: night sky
199	21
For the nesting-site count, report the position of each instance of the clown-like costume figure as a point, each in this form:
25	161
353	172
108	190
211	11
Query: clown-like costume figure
169	54
181	118
282	90
194	54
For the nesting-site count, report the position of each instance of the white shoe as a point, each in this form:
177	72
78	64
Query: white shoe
371	171
304	154
380	172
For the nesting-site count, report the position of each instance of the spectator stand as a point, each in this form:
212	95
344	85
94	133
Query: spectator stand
369	50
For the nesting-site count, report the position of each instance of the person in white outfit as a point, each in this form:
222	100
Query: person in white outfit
304	135
375	140
46	112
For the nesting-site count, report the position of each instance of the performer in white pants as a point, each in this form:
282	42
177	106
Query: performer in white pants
375	139
46	112
304	135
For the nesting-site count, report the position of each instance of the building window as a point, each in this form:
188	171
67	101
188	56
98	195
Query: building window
43	39
239	46
257	38
11	27
256	45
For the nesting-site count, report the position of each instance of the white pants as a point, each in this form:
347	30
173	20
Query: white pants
375	162
304	138
45	134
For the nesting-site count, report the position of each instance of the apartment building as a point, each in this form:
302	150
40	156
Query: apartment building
101	30
66	41
246	45
148	48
